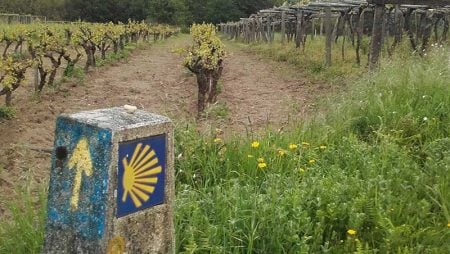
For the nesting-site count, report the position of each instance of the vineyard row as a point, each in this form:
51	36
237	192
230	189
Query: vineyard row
47	47
351	19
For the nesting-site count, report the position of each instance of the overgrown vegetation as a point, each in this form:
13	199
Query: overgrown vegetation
24	231
311	58
371	175
180	12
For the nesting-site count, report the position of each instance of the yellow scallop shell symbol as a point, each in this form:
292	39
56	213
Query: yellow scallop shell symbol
140	175
116	245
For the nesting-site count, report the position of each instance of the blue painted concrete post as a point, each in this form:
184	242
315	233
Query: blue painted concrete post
111	184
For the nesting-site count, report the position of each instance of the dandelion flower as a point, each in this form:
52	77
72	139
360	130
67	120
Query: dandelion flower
262	165
261	160
255	144
281	152
217	140
322	147
312	161
293	146
351	232
448	225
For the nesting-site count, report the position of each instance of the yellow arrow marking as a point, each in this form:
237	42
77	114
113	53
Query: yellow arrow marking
81	162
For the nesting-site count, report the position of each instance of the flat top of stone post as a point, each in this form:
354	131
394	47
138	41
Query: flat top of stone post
117	118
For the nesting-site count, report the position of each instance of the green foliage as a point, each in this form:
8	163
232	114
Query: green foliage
53	9
12	72
386	177
24	231
75	72
49	45
180	12
7	112
207	51
106	10
218	111
312	60
371	176
187	12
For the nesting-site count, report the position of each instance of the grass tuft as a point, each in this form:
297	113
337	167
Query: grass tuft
7	112
24	231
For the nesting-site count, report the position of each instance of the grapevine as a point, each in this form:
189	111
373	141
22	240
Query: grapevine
50	45
205	59
12	74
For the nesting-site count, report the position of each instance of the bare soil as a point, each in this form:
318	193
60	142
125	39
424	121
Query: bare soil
256	93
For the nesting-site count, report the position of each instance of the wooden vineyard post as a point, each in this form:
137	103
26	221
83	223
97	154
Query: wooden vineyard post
269	29
314	31
328	33
377	36
283	27
359	34
111	184
36	79
299	30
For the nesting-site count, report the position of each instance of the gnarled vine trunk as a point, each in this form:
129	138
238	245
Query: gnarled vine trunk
207	81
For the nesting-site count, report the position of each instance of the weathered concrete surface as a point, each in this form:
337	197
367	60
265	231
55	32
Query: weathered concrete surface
114	189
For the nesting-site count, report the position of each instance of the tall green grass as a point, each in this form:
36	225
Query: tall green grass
23	231
377	163
311	58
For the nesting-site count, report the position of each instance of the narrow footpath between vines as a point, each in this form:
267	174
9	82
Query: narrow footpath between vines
255	93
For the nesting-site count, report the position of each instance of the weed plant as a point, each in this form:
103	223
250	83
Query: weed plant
7	112
24	231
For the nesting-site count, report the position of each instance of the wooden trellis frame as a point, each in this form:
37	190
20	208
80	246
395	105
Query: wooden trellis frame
8	18
349	18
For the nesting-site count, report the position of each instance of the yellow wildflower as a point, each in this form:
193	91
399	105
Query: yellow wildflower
448	225
217	140
293	146
301	170
250	156
312	161
281	152
322	147
262	165
255	144
351	232
261	160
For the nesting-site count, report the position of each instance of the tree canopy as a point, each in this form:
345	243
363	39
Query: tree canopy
179	12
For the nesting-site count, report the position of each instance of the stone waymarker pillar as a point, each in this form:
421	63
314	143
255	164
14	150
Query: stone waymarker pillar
112	184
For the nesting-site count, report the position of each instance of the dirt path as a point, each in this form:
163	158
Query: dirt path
255	94
262	93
